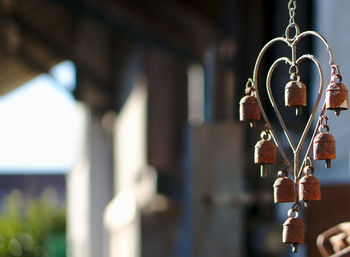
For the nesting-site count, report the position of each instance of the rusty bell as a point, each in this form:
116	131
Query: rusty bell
309	186
337	98
295	95
293	231
265	153
249	110
324	146
283	188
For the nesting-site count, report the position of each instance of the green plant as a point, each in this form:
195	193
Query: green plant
28	224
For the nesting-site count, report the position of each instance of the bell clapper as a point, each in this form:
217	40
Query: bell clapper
263	170
252	124
294	247
328	164
298	111
306	203
337	111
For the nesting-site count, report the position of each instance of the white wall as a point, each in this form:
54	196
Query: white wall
333	22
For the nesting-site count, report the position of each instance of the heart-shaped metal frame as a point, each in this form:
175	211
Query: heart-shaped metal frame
293	61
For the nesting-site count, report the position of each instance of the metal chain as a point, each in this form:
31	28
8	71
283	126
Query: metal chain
292	5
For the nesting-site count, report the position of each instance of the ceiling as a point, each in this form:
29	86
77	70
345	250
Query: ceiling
35	35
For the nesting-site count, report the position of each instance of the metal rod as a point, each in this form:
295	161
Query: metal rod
272	99
292	43
323	39
311	141
256	92
320	92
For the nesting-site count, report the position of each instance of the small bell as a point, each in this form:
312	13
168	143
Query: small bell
324	146
248	107
309	186
337	98
293	231
295	95
283	188
265	152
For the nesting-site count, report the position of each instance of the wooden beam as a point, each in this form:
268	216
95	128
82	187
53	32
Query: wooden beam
33	36
169	26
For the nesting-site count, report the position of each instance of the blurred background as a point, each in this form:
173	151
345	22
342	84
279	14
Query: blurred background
120	134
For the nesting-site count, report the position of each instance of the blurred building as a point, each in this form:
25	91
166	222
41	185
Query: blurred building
33	185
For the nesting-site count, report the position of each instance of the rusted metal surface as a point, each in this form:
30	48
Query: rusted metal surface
295	95
293	230
265	152
283	188
337	98
309	186
324	146
249	110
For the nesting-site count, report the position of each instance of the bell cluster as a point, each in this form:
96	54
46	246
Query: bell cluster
307	188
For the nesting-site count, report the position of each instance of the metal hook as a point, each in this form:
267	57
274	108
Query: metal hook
323	118
309	162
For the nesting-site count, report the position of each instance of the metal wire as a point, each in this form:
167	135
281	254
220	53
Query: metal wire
293	62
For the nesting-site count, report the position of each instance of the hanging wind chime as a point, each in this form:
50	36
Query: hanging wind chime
305	187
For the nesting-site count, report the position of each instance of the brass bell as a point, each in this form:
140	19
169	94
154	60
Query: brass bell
283	188
293	231
324	146
248	108
309	186
337	98
295	95
265	152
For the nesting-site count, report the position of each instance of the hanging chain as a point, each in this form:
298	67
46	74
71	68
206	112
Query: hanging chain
292	5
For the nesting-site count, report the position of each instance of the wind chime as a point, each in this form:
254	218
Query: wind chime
305	187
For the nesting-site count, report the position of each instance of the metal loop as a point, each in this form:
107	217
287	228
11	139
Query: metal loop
294	72
265	135
294	77
309	168
293	211
324	118
335	70
289	27
249	87
309	162
249	91
292	5
337	76
250	83
323	126
296	206
294	66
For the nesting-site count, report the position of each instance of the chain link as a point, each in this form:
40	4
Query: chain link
292	5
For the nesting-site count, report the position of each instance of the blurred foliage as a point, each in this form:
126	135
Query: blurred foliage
27	224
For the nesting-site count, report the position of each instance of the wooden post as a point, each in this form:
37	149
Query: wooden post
213	173
89	187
